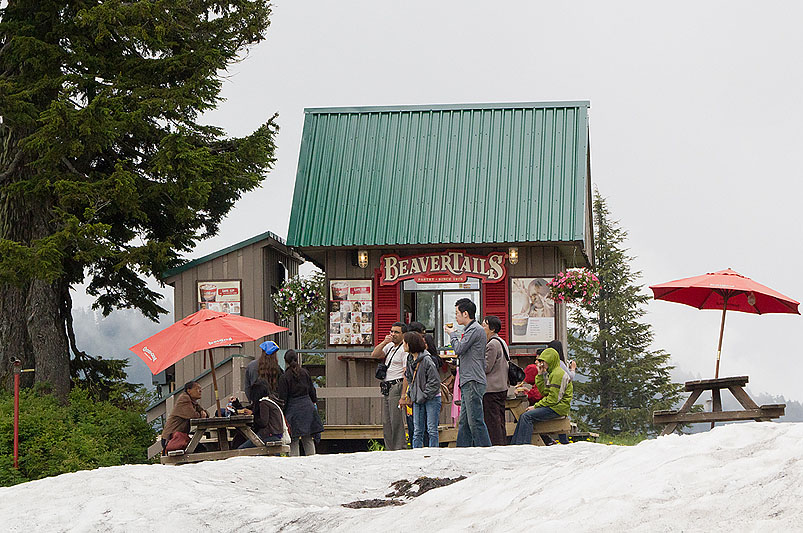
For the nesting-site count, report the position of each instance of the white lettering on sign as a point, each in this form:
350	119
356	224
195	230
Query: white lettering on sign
219	341
149	353
443	266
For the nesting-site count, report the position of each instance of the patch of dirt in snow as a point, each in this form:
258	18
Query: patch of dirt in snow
404	488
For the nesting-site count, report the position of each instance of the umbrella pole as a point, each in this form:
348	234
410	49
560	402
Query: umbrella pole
719	348
214	381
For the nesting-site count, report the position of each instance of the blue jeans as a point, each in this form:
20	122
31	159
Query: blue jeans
426	417
524	429
471	430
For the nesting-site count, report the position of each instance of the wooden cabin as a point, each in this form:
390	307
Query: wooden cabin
239	280
408	208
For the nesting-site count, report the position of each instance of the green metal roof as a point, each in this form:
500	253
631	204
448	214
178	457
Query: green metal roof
214	255
444	174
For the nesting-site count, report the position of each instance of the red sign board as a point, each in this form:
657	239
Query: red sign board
451	266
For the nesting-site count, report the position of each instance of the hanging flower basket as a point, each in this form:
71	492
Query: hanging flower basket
298	296
576	284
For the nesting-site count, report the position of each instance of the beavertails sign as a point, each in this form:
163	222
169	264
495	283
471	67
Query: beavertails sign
443	267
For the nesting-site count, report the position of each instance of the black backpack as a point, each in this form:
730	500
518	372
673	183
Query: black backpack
515	374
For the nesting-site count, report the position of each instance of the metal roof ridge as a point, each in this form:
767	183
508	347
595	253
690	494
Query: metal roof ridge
214	255
446	107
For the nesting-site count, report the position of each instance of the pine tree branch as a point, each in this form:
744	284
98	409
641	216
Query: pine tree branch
72	168
12	167
68	320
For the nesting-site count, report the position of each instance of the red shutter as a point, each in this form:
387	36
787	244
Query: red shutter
387	307
495	301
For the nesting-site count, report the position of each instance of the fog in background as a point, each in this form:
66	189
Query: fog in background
694	127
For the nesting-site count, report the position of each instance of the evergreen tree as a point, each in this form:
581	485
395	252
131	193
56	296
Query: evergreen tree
106	172
620	380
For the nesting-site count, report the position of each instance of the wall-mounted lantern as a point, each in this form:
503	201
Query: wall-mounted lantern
362	258
513	255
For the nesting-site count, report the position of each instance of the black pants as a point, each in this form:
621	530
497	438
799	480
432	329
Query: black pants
493	407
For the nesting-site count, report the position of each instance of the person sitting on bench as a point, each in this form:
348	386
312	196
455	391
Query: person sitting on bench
533	394
268	418
186	408
557	386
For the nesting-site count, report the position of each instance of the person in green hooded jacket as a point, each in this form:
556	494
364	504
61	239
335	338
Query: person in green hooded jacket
556	385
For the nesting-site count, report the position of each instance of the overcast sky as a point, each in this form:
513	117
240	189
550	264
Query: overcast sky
694	126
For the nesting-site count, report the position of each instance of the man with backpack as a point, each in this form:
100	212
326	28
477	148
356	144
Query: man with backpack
496	375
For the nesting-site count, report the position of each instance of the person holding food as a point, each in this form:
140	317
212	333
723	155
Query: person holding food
470	350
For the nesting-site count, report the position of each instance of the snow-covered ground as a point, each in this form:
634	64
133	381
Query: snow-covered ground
739	477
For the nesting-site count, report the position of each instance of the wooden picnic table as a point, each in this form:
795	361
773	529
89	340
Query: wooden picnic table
219	428
518	404
751	411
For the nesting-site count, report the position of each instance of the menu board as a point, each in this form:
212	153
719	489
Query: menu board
220	295
533	310
351	314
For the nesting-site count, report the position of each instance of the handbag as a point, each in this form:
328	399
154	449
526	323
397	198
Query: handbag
515	374
286	439
381	370
382	367
446	394
178	441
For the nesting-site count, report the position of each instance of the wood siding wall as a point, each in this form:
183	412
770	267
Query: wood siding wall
534	261
254	265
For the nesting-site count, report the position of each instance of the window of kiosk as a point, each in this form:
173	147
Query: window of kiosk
432	304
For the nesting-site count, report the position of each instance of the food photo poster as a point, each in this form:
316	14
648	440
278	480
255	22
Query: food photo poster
351	314
220	295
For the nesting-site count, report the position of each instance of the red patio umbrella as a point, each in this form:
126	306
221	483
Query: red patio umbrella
727	290
203	330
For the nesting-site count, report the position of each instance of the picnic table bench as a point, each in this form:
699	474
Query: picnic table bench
218	428
518	405
751	411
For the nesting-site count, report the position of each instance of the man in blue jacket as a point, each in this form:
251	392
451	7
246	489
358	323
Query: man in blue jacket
470	350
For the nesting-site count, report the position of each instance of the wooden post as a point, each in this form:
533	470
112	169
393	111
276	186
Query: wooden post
214	382
17	367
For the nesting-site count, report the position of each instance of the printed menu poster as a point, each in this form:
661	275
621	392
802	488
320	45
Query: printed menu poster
224	296
351	314
533	310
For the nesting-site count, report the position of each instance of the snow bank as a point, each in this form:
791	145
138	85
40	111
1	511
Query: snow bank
744	477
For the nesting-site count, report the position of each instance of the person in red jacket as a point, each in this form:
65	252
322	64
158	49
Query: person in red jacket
533	394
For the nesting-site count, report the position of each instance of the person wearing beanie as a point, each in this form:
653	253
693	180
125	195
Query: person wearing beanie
266	367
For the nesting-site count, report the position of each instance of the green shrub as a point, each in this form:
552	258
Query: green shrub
375	446
622	439
84	434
